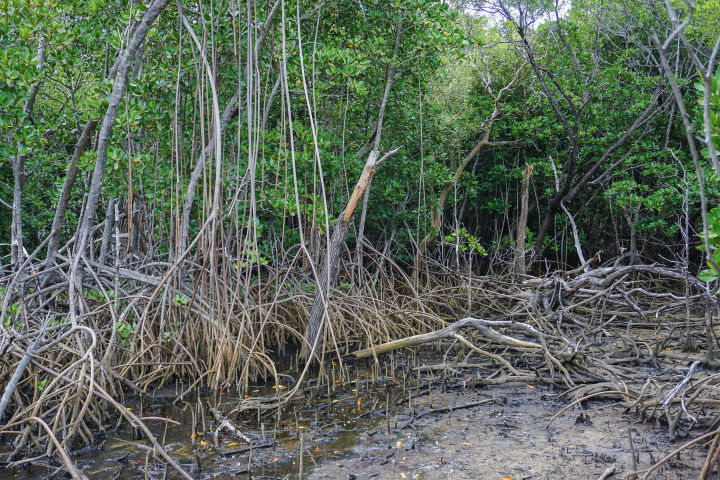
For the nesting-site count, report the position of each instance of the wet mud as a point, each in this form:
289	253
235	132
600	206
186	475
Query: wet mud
372	426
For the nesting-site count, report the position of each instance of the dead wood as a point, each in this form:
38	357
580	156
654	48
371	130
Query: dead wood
483	326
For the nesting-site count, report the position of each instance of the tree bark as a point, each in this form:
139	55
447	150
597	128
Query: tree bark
522	221
19	177
107	231
80	147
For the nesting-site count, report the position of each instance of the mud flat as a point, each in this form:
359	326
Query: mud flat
508	437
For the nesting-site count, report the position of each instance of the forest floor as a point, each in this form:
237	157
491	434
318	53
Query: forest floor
509	437
385	421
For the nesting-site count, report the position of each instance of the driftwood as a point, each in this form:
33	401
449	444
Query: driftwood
483	326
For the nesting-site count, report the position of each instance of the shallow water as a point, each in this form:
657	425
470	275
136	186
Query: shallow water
328	418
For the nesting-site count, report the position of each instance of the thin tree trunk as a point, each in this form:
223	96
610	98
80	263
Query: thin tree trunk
107	231
361	232
522	221
568	193
19	177
80	147
487	126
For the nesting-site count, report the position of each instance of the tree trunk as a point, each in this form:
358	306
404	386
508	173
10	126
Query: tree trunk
18	164
124	61
328	273
107	231
361	233
522	221
80	147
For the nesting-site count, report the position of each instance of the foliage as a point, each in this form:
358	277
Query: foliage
447	60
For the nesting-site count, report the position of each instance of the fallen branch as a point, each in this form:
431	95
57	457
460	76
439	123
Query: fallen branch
484	326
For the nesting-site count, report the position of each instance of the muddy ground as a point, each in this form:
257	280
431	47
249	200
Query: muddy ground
507	437
365	429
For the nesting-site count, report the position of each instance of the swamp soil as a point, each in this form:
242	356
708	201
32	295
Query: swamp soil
507	437
365	428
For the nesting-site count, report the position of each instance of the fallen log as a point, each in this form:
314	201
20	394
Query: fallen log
483	326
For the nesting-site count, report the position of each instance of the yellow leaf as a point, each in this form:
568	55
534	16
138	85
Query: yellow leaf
398	444
402	475
466	444
508	478
359	400
529	386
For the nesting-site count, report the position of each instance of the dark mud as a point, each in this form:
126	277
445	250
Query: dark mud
365	428
508	438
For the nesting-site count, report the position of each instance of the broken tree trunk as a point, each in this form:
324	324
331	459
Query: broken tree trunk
328	273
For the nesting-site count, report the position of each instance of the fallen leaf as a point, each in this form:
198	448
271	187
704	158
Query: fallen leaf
508	478
529	386
398	444
359	400
466	444
402	475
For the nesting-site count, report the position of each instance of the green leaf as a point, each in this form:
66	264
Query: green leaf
708	275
